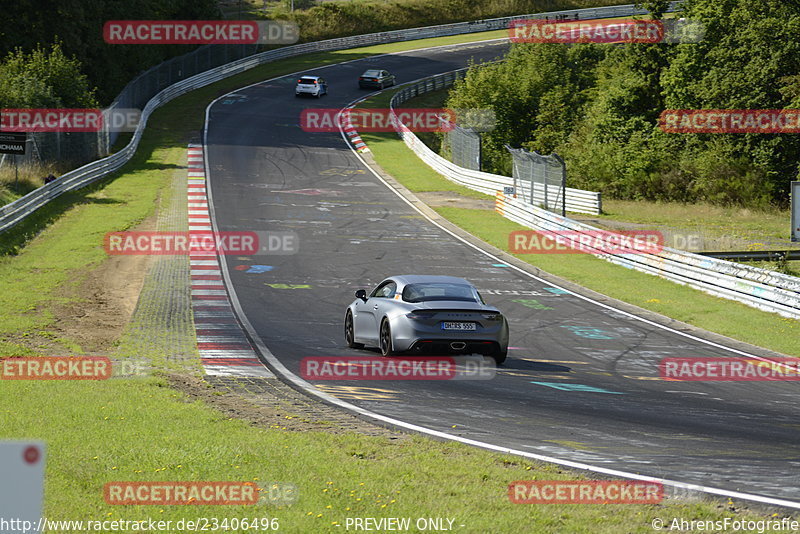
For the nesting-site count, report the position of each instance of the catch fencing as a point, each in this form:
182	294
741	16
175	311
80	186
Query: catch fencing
464	146
539	179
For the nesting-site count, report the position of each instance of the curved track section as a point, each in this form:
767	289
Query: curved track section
581	382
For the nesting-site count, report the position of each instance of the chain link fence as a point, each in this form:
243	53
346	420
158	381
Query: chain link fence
69	149
540	180
464	147
73	149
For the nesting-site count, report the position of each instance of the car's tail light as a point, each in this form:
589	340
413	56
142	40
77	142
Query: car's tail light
420	314
492	316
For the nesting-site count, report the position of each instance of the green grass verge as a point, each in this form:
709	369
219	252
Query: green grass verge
772	226
656	294
136	430
673	300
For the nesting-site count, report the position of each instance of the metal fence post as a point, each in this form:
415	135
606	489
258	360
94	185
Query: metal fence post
537	169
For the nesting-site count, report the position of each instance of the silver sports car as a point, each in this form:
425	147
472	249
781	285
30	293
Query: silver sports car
426	314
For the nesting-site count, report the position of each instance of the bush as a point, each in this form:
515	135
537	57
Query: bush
43	79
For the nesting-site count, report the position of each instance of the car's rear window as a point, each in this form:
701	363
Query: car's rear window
309	81
439	291
372	73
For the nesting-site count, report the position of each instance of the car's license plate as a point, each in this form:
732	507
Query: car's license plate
457	325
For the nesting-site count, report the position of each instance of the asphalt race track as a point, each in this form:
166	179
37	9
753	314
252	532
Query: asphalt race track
581	381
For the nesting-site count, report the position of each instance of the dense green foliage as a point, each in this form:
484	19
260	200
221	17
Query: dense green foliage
78	26
598	107
43	79
336	19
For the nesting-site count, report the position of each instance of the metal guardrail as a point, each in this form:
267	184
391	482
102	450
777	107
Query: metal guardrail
11	214
577	200
759	288
755	255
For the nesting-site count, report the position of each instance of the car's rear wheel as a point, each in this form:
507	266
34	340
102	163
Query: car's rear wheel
386	339
349	332
500	356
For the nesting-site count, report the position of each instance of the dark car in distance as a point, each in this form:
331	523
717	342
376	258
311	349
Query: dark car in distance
375	79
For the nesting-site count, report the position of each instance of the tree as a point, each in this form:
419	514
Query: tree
43	79
657	8
78	26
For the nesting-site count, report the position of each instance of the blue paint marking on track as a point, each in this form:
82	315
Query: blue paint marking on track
556	290
589	332
577	387
257	269
499	265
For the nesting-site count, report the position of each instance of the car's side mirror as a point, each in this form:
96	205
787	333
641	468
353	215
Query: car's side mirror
361	294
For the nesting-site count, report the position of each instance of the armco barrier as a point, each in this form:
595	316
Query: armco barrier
759	288
11	214
577	200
